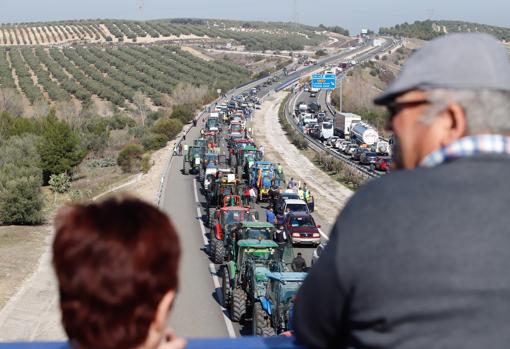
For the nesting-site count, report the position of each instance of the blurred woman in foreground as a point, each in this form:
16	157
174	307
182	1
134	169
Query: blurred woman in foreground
116	264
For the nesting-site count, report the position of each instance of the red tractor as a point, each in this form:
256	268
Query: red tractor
223	220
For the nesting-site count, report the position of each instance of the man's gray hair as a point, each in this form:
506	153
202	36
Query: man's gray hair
487	111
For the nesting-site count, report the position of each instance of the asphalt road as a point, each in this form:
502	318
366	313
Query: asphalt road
197	311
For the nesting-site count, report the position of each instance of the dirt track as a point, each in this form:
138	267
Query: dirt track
330	196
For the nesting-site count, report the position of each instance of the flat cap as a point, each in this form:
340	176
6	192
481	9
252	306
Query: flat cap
457	61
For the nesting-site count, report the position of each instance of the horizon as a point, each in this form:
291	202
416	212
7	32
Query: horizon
372	14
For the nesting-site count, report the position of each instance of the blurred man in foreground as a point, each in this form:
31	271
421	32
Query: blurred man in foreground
420	258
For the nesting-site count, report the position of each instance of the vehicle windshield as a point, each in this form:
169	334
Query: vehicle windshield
302	222
327	126
297	207
289	290
256	234
233	217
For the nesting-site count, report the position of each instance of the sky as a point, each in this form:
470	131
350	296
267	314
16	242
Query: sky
353	15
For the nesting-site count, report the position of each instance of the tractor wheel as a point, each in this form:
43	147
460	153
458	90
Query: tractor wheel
225	287
201	175
261	323
211	217
217	249
237	305
185	168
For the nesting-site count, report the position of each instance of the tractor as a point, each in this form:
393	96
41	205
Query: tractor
220	188
263	176
272	315
223	220
246	158
244	278
193	160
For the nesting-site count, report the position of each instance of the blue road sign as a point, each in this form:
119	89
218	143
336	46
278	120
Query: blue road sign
324	81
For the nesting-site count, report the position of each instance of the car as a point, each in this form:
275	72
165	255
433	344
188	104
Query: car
332	141
383	164
317	252
286	195
301	228
368	158
356	154
351	148
295	205
343	144
313	95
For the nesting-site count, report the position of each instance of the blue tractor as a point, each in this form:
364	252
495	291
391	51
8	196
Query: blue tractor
272	315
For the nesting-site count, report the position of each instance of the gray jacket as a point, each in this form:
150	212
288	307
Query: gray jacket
417	260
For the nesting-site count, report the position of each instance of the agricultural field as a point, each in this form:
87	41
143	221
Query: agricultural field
253	36
112	74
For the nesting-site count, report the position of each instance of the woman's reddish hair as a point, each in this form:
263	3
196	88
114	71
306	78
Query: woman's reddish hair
114	261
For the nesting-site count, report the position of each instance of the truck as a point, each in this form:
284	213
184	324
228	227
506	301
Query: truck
344	123
363	133
302	108
326	130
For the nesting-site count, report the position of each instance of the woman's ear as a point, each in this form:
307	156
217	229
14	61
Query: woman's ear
163	309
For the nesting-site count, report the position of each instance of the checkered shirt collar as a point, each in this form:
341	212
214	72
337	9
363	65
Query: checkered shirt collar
469	146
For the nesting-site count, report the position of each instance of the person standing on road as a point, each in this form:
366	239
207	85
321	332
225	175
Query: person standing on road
301	193
253	197
298	263
435	273
270	217
246	196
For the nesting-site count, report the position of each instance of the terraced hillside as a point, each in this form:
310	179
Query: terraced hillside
251	35
114	74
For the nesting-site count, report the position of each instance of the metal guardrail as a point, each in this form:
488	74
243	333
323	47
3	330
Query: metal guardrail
318	147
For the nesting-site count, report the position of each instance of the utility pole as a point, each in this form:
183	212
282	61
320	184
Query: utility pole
140	8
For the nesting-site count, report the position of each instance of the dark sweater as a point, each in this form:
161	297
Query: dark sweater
417	259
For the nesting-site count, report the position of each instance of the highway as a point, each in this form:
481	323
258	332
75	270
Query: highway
197	311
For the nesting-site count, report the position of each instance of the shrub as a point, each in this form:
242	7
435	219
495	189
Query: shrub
183	112
21	200
154	141
168	127
60	183
146	162
130	158
59	147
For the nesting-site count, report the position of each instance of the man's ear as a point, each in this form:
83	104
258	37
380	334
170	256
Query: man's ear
163	309
456	126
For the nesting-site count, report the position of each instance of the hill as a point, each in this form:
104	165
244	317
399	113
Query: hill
253	36
427	30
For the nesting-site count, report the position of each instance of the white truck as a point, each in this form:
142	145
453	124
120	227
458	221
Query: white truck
344	123
364	134
302	108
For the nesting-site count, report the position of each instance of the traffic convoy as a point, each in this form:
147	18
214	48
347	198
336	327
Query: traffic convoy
343	133
259	272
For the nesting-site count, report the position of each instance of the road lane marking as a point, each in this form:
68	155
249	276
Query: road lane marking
217	286
323	235
195	190
202	227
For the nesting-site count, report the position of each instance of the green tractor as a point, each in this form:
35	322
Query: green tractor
272	315
244	278
246	230
193	160
246	158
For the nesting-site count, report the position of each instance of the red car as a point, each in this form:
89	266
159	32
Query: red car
383	164
301	228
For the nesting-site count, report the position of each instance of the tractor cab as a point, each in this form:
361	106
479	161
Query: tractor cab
274	313
193	159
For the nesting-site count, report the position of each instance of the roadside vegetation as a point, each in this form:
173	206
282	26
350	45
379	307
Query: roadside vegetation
337	169
427	30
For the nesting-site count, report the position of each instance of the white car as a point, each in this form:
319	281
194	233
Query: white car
295	205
